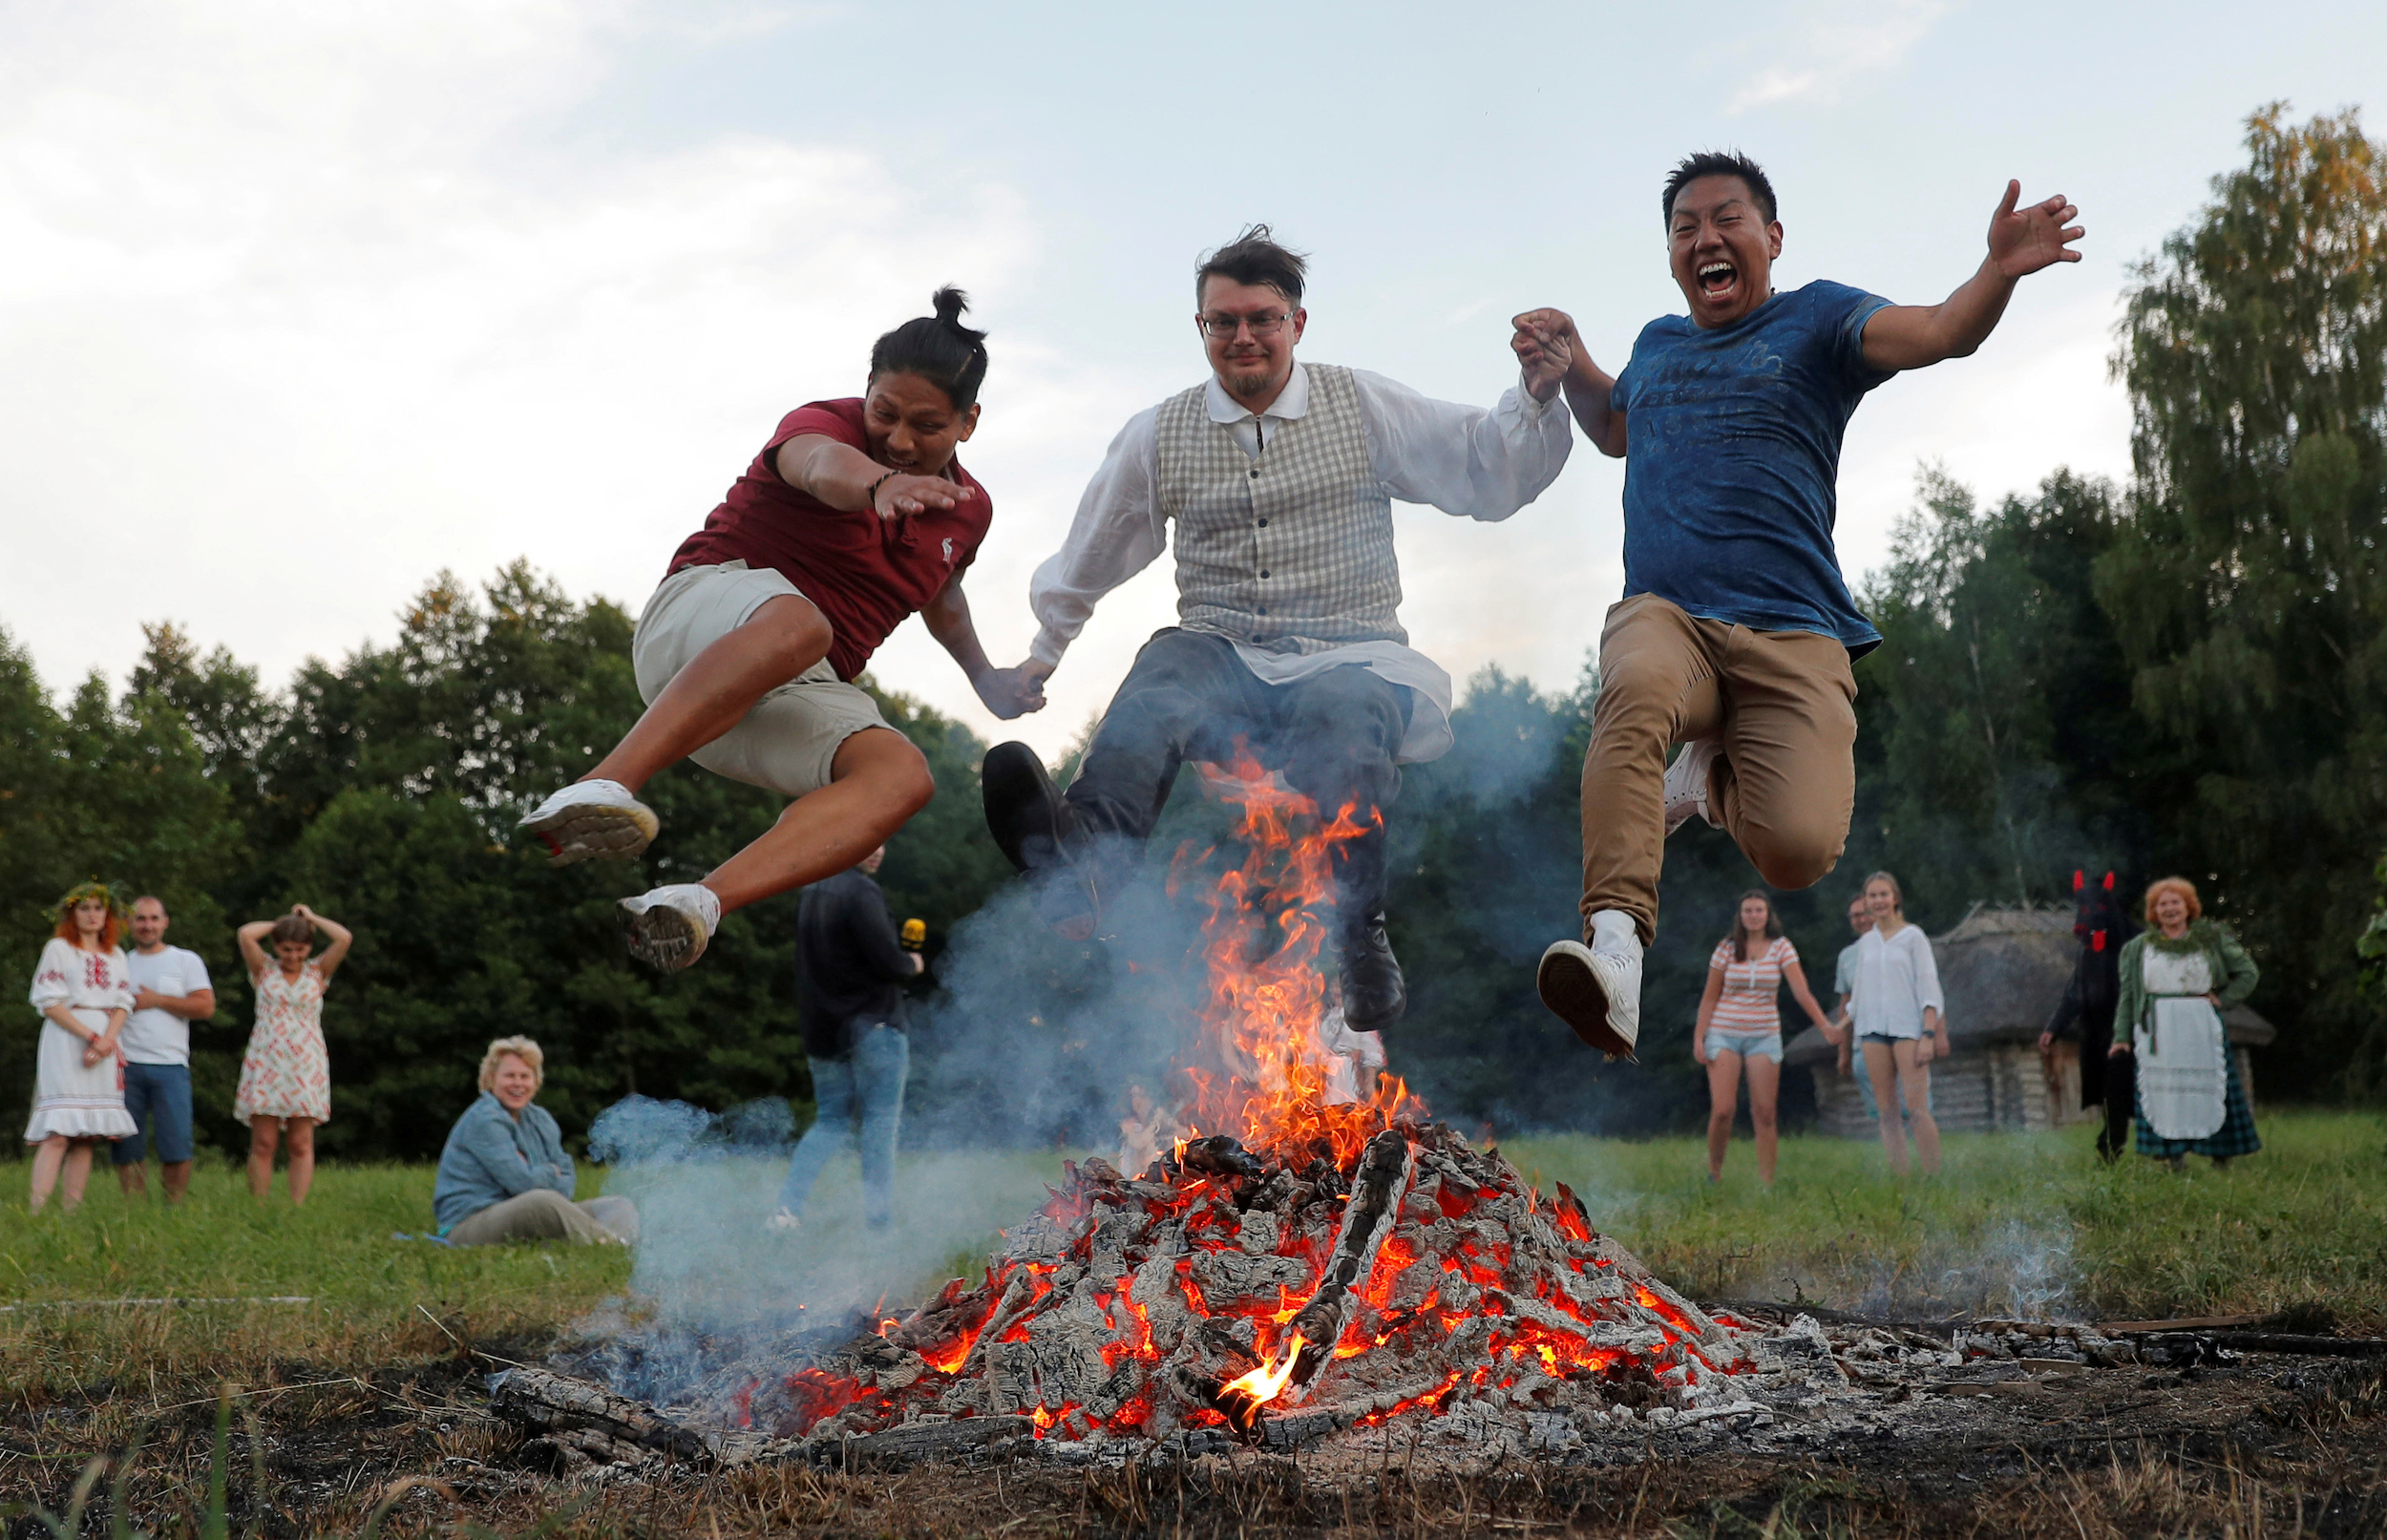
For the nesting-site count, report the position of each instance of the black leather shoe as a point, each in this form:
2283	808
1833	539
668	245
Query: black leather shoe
1373	994
1038	833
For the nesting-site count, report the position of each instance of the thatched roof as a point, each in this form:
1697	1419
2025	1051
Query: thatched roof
2004	971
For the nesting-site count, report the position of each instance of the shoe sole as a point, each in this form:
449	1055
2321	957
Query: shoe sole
662	937
592	831
1575	995
1020	797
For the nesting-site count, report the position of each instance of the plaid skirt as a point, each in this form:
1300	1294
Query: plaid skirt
2234	1137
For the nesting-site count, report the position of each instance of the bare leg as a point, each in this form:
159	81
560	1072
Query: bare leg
877	782
1915	1078
76	1174
1764	1081
301	1166
1881	1068
47	1157
263	1134
1723	1097
177	1178
716	690
133	1179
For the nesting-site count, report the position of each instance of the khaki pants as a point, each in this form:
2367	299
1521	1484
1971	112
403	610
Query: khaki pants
545	1214
1785	704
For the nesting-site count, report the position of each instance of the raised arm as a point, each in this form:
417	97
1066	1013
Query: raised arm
2020	242
327	963
1588	387
844	477
251	953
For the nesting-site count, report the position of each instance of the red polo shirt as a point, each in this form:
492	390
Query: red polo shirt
865	573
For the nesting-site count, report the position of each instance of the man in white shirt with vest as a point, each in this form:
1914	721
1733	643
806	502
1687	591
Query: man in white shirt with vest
170	991
1280	478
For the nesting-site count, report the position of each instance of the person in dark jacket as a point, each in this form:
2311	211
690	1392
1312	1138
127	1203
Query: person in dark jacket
2109	1072
504	1174
851	967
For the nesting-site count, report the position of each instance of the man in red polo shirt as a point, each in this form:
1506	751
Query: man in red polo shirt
855	515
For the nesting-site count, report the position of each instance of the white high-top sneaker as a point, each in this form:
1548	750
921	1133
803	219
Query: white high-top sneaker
592	818
1686	783
1596	989
668	927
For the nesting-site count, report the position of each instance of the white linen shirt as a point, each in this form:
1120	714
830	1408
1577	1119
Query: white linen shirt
1896	979
1464	460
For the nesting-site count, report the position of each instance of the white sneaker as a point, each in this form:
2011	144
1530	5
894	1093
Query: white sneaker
668	927
1596	989
785	1220
592	818
1686	783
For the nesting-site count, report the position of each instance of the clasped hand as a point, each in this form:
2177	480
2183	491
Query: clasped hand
1545	345
1013	692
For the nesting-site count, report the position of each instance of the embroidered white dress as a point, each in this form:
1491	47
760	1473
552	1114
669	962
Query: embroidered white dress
2182	1052
69	1098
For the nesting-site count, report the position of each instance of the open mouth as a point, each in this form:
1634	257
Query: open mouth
1718	279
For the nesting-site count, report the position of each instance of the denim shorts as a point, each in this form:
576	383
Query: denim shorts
1747	1044
158	1096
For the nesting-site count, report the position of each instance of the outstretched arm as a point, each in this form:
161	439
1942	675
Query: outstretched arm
1116	534
2021	241
1588	387
843	477
1008	692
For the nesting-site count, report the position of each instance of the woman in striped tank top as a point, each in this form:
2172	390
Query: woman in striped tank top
1739	1025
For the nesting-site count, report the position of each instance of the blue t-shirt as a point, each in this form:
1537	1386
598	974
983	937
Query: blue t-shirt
1732	456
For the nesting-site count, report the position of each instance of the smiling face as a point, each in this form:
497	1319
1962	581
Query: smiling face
292	954
1860	917
1754	913
1722	247
1881	900
515	1083
2172	911
910	424
1253	364
149	923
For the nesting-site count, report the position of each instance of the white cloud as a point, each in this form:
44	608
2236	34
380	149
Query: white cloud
1834	43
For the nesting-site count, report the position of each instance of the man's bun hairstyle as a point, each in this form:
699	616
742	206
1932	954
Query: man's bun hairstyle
1253	257
939	348
1718	163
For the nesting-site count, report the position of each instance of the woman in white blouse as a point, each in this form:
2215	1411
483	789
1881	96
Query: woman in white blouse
1896	1010
83	988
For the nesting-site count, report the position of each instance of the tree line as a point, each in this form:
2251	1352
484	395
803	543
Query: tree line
2186	673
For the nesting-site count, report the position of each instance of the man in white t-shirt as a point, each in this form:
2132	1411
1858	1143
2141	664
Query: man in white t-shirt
170	991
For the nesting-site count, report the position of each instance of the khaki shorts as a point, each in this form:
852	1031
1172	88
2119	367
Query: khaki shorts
786	743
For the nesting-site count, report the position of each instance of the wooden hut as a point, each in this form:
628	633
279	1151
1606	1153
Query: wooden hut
2004	972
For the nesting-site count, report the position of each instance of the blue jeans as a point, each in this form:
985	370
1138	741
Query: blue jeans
158	1096
862	1092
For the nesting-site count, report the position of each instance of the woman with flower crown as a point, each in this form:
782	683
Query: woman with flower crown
83	988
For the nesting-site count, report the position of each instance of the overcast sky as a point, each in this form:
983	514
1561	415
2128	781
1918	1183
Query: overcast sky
301	303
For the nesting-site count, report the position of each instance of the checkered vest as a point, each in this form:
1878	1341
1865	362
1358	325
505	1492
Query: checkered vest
1292	551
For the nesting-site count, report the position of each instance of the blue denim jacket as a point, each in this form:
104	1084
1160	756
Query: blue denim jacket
491	1158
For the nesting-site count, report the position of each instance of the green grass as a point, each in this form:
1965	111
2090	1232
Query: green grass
2015	1222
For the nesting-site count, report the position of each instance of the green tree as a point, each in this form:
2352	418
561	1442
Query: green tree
2248	597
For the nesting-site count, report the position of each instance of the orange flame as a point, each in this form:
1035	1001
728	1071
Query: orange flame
1242	1396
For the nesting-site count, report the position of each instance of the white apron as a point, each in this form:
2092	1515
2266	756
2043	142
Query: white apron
2183	1053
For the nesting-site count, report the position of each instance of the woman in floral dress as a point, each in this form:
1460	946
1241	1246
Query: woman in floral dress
84	991
286	1076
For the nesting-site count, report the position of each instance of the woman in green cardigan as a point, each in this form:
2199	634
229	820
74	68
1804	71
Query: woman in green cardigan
2177	978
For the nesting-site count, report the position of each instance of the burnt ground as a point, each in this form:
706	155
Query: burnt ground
2263	1444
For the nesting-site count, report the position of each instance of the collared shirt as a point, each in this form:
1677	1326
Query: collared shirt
1467	461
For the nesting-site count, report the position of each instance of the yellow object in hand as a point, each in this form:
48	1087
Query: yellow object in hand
914	934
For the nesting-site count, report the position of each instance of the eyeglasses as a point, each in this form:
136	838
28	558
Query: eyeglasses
1267	324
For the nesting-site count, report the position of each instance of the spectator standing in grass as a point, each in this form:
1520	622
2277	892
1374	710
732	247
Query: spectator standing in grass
1740	1024
504	1174
851	968
84	992
2109	1072
286	1076
1844	984
170	991
2178	976
1897	1008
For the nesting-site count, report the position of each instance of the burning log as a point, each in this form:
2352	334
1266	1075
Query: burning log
1376	1191
1218	1155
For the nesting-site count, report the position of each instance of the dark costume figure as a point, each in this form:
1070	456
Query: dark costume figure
2086	1011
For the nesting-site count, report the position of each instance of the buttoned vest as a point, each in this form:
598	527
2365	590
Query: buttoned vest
1292	551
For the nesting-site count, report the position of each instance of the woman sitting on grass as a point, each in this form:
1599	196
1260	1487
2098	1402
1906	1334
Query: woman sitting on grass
2178	976
504	1175
285	1075
1740	1025
83	989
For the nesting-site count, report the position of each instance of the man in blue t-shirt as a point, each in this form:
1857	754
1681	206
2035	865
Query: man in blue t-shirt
1735	631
